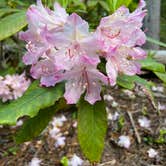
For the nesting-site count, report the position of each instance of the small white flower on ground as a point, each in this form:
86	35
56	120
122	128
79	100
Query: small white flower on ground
75	124
58	121
35	162
161	107
158	89
124	141
152	153
113	117
19	123
154	88
53	132
108	98
1	126
114	104
75	161
144	122
60	142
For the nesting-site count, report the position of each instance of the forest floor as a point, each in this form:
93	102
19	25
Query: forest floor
124	109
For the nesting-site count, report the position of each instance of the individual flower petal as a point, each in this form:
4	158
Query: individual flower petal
94	88
144	122
108	97
60	141
71	95
112	72
137	53
35	162
75	161
124	141
58	121
76	28
152	153
53	132
161	107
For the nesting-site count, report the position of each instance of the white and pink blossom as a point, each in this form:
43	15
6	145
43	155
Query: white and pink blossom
13	86
60	47
119	47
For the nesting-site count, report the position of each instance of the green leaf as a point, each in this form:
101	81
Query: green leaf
92	3
122	2
162	76
5	11
92	126
113	5
152	65
104	5
129	82
34	126
2	3
10	70
11	24
30	103
154	41
125	82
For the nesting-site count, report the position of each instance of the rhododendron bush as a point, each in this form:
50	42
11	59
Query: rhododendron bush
71	65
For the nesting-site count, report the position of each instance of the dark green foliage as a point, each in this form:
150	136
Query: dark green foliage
92	126
34	126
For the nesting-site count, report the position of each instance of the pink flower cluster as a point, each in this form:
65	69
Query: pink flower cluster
13	86
61	48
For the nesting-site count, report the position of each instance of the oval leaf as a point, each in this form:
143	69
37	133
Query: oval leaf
11	24
30	103
152	65
92	126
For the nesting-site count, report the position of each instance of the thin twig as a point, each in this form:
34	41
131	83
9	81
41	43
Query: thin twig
112	162
134	127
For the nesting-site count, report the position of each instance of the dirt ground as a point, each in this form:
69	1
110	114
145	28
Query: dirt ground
129	106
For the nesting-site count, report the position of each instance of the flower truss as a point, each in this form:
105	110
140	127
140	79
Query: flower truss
60	47
13	86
